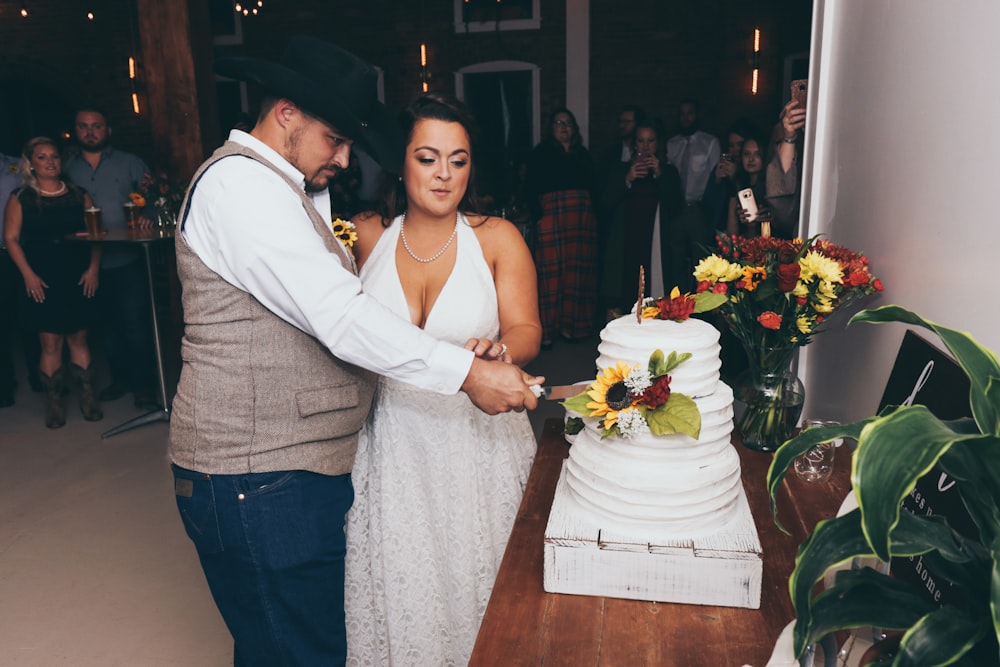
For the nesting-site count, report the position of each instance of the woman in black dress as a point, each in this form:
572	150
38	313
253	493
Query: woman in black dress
60	277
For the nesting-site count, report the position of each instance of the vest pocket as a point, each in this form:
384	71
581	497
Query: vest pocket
326	399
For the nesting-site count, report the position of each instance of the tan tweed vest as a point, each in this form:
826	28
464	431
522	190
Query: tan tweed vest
257	394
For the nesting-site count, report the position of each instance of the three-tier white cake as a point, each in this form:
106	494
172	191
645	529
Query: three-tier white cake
657	517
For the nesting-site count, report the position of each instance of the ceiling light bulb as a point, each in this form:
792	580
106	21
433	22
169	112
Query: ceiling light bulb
90	16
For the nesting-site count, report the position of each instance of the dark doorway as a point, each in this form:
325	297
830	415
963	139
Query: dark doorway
502	102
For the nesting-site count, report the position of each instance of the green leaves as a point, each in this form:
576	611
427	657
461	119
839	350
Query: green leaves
678	415
658	366
578	403
894	450
706	301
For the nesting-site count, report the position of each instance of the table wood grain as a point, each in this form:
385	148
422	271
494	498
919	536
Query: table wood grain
524	625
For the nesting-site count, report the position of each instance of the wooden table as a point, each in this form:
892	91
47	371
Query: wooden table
524	625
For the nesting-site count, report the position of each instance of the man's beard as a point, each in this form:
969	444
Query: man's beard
95	148
292	144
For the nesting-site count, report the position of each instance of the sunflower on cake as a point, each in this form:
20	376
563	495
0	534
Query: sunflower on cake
650	504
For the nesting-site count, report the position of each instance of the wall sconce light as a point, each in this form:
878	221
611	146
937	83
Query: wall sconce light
132	72
756	61
425	75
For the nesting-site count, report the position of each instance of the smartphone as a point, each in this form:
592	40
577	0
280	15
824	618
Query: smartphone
799	89
748	203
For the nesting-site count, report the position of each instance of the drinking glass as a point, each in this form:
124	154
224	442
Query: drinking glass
816	465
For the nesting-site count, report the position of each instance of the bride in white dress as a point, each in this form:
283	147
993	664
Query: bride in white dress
437	481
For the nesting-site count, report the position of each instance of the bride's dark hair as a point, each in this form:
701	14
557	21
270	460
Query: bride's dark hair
430	106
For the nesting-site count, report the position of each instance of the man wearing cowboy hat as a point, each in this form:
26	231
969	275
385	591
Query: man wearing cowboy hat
279	354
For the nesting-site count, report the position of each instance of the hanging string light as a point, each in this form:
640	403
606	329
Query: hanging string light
756	61
24	10
251	9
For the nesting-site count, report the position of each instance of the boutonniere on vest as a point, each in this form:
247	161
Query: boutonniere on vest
344	230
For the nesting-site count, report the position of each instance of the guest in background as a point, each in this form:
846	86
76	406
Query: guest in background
752	176
60	278
613	157
784	172
646	195
10	281
695	154
109	175
715	201
437	482
560	181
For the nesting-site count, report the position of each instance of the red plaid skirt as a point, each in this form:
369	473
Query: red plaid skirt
566	261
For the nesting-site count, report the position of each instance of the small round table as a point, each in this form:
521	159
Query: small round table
145	238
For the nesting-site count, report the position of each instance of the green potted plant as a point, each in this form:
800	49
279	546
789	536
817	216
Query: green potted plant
895	449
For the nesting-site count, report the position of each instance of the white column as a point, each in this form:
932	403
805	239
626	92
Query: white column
578	64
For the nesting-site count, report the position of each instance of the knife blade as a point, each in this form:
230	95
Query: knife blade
561	392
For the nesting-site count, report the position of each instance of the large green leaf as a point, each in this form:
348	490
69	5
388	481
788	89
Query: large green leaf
978	362
940	638
893	453
977	469
841	539
799	445
867	598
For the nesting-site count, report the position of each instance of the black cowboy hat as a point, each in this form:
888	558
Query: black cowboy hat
333	85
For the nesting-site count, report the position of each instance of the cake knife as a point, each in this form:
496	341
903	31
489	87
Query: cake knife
558	392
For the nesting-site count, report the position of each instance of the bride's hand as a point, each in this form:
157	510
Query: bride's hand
488	349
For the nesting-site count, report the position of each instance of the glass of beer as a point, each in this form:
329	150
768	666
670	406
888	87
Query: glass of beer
92	218
131	215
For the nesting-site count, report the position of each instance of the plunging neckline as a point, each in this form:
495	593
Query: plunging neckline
444	287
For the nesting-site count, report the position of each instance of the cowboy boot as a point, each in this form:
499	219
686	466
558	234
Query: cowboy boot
89	405
55	412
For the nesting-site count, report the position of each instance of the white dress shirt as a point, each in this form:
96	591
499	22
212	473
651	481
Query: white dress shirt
696	166
250	228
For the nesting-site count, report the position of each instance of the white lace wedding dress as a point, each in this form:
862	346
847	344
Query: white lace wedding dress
437	485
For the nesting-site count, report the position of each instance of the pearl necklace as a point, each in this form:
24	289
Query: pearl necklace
54	192
425	260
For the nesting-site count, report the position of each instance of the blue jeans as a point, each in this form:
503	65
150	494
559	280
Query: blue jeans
272	547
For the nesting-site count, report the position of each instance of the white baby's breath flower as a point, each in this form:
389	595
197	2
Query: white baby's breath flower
638	380
631	423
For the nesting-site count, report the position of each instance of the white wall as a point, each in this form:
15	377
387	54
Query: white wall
902	152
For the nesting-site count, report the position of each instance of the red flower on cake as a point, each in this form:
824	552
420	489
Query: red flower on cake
658	393
677	308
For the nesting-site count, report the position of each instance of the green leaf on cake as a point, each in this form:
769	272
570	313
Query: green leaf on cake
659	366
578	403
706	301
678	415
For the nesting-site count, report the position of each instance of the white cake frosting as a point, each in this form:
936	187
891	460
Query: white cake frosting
671	483
626	340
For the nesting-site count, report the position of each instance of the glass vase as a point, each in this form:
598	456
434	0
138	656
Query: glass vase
165	218
773	397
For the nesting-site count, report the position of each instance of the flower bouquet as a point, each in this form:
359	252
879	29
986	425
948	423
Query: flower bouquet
779	294
163	194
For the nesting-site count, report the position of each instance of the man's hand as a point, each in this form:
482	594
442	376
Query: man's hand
494	387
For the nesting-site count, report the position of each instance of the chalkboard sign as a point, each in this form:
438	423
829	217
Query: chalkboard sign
923	375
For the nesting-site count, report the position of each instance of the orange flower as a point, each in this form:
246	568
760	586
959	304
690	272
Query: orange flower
770	320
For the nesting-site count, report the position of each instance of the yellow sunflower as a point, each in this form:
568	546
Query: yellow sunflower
344	230
611	379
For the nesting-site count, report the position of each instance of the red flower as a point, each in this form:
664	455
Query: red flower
657	393
877	285
703	286
770	320
678	309
788	276
720	288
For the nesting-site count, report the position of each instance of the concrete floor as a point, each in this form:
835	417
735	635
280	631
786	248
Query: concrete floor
95	568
